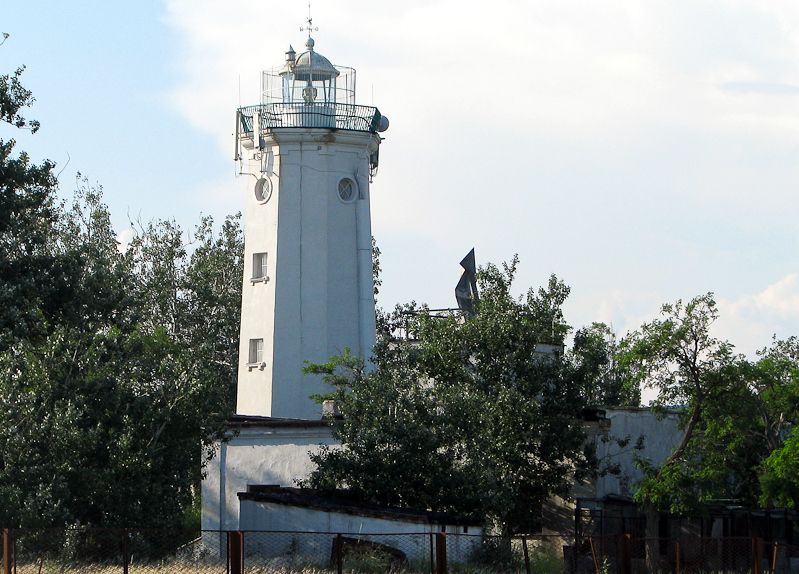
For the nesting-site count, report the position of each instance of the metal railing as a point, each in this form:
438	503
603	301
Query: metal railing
317	115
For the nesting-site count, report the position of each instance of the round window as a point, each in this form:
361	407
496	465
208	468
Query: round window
263	190
347	189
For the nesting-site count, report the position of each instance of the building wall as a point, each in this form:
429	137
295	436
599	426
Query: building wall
279	455
661	437
411	537
258	455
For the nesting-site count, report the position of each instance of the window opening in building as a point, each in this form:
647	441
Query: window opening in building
259	267
256	351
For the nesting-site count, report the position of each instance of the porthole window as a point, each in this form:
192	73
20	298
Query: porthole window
347	190
263	190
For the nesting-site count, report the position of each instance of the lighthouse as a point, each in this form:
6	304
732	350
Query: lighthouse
307	154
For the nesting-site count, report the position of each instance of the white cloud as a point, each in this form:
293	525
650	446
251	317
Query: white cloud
751	320
780	299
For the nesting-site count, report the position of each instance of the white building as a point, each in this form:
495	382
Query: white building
307	153
260	451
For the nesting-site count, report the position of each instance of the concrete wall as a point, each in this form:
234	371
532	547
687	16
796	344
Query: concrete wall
259	455
661	437
411	537
319	297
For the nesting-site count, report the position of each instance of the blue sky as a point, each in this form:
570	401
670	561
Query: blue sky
642	150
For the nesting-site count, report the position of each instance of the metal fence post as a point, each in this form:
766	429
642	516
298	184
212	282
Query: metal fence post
441	553
125	552
236	552
6	551
593	554
339	553
677	555
526	555
432	559
756	556
626	555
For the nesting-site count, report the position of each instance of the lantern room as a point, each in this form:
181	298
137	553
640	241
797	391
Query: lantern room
308	79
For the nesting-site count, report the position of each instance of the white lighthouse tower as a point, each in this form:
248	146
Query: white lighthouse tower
308	153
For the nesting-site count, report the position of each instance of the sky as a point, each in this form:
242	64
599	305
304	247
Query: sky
643	151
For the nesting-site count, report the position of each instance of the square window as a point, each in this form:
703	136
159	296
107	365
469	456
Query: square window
258	266
256	351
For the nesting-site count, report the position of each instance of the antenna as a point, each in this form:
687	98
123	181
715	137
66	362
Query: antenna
310	27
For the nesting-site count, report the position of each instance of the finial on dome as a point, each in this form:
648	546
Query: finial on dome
310	27
309	43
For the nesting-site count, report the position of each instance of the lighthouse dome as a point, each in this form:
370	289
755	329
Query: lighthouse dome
311	65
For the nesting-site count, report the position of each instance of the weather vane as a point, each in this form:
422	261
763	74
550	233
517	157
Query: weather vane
310	28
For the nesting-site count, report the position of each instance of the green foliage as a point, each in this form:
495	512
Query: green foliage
32	275
780	472
735	413
467	417
595	359
13	98
778	385
677	356
115	366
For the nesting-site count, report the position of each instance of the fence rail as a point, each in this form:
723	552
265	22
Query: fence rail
136	551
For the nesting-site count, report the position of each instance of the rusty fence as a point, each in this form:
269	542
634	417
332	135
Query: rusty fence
624	554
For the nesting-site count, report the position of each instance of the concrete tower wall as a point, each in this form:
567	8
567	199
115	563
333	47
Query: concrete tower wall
318	299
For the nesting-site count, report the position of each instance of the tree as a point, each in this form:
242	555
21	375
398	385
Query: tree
31	281
468	417
107	418
777	382
596	367
677	356
115	367
734	412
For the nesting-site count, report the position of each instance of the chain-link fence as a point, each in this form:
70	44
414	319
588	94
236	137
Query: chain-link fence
101	551
118	551
313	552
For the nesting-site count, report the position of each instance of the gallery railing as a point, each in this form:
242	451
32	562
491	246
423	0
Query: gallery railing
316	115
